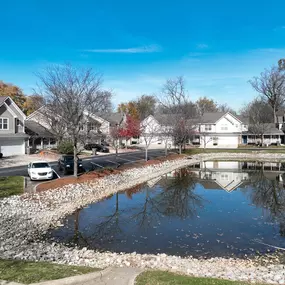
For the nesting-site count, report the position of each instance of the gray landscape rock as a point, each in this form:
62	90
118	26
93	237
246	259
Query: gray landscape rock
25	219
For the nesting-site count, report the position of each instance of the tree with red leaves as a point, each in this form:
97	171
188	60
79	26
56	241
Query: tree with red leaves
130	129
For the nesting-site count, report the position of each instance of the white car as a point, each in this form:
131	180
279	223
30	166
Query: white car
40	170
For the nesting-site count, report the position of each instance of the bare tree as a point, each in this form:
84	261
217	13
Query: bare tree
226	108
271	87
260	115
281	64
205	138
115	138
205	104
145	105
149	131
72	96
175	100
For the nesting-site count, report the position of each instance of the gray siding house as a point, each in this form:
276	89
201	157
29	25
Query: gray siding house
12	128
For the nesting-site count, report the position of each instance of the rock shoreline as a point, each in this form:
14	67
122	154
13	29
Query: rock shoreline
24	219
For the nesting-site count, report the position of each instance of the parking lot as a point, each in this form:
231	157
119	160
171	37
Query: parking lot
89	164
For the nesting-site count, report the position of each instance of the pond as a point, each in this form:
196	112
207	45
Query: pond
210	209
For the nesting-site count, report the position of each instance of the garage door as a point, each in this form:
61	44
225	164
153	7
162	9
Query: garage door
12	147
231	142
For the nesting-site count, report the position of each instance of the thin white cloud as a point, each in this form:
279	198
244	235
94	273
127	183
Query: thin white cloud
142	49
202	46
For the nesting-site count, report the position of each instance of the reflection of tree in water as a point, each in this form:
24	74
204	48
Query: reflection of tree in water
111	225
269	193
106	230
77	236
178	198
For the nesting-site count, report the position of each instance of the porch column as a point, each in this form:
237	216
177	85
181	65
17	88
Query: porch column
49	142
42	143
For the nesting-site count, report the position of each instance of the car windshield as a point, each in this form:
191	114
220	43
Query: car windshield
40	165
68	158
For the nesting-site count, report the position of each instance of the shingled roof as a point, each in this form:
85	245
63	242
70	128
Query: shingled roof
38	129
2	99
213	117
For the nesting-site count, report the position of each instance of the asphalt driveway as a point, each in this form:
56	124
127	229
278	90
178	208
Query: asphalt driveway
90	163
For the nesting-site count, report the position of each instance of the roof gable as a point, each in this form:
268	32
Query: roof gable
214	117
4	100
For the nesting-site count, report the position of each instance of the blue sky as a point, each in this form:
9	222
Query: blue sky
137	44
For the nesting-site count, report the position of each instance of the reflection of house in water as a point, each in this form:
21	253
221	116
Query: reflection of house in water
230	175
226	175
152	182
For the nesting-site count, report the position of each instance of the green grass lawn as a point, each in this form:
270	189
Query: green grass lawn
237	150
12	185
32	272
166	278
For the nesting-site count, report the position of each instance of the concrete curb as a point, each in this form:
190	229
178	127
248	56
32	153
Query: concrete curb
75	280
133	280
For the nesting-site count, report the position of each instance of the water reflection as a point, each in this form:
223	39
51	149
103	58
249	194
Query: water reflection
213	208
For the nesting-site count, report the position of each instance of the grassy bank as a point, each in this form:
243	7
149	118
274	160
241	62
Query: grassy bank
237	150
32	272
12	185
166	278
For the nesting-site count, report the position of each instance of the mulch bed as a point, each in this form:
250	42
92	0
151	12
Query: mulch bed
91	176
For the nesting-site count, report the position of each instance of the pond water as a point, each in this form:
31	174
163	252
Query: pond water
212	209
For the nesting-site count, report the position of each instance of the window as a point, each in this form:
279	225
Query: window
224	127
208	127
3	124
92	127
224	176
215	140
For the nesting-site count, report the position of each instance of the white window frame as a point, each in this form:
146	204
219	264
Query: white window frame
208	128
224	127
3	118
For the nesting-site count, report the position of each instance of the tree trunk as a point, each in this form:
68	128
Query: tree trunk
165	148
117	202
146	156
75	159
274	114
180	148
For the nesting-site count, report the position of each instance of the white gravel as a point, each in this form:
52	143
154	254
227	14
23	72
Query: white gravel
24	219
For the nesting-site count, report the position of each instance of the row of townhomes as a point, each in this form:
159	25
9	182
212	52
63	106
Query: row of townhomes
220	130
19	133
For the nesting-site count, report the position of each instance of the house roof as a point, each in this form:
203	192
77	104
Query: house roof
213	185
2	99
112	118
280	112
163	119
213	117
17	135
38	129
270	129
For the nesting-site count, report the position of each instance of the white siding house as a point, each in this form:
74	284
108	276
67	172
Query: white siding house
220	130
12	128
156	130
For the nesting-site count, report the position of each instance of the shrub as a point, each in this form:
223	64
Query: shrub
65	147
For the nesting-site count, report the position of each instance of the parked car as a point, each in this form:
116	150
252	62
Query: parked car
96	146
105	143
66	164
40	170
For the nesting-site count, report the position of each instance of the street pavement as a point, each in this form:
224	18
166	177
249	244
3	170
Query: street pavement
90	163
